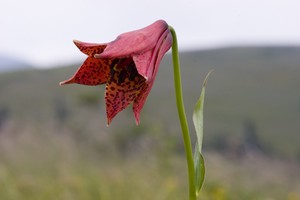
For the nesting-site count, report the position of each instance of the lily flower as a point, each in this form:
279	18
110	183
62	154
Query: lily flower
128	66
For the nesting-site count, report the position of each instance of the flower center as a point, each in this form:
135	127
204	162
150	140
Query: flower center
123	68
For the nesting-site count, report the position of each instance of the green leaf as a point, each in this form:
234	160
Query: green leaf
199	170
198	114
198	123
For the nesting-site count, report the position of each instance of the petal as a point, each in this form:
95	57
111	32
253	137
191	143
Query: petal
140	101
89	49
124	86
135	42
142	62
163	46
92	72
148	62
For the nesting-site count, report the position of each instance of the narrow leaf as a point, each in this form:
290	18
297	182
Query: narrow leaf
198	123
198	114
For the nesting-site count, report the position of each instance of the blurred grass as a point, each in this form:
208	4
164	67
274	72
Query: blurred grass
54	143
45	166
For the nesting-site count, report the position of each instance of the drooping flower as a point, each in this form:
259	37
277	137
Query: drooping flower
128	66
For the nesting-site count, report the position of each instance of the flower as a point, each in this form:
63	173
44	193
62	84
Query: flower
128	66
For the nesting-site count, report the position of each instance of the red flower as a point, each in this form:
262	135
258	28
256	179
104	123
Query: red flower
127	65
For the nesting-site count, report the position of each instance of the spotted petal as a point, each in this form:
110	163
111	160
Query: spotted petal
93	71
90	49
123	87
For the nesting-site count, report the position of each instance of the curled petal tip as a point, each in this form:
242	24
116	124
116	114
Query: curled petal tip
76	42
67	82
79	44
108	122
137	118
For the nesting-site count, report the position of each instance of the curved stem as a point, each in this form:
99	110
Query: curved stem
182	117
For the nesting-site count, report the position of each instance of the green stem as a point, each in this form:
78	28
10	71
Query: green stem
182	117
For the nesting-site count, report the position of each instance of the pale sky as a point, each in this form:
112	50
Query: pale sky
41	32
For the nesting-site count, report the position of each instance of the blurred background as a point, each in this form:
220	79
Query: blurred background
54	143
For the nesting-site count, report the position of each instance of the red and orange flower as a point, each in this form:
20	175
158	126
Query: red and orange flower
127	65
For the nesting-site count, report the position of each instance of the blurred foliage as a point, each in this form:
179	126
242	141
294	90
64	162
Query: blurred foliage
54	143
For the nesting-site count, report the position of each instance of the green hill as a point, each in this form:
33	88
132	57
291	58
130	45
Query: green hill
252	108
